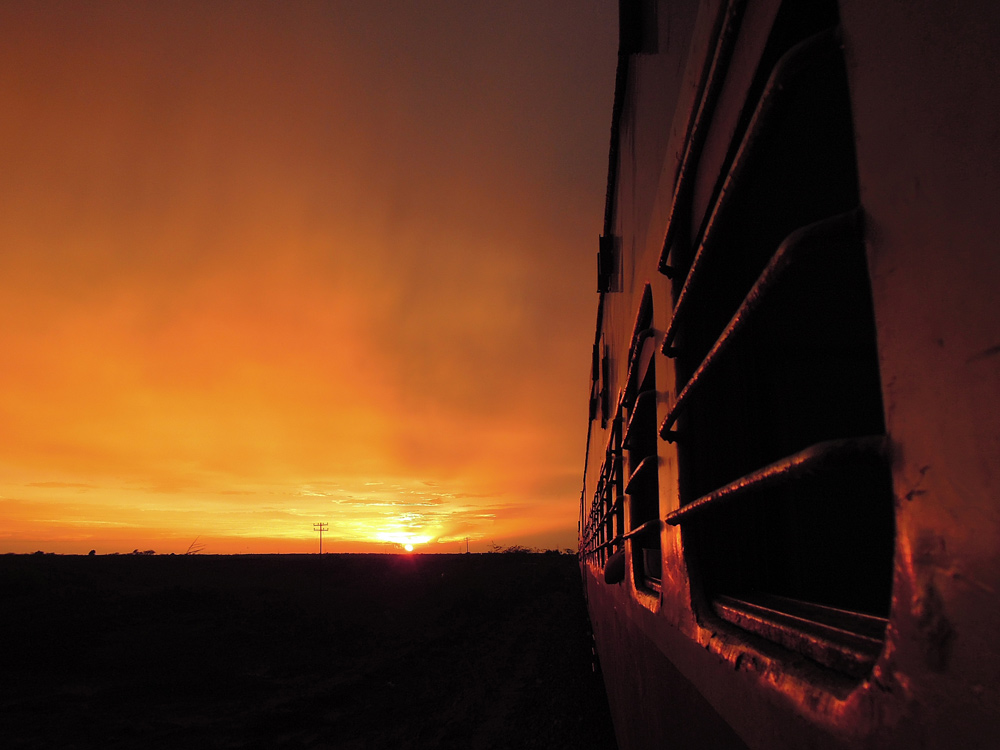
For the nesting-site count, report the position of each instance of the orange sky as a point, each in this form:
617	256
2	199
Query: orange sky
268	264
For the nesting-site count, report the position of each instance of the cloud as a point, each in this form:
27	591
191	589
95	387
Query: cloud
68	485
303	251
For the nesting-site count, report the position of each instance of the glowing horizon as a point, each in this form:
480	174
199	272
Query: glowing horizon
297	263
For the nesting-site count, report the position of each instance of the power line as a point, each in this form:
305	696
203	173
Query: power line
321	527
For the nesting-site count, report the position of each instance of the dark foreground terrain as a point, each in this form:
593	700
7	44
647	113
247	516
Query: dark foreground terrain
343	651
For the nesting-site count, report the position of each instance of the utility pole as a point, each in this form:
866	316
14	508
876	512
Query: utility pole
466	545
321	527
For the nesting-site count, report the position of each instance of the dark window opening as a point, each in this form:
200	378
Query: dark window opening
795	22
786	494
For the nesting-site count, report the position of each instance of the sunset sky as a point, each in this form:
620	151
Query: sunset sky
266	264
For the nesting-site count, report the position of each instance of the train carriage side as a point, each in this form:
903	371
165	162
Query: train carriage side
789	524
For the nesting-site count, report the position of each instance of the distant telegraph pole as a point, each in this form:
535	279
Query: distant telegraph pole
321	527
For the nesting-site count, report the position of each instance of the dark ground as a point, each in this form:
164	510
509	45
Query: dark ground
296	651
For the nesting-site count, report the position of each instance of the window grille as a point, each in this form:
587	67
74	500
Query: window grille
786	499
603	531
639	440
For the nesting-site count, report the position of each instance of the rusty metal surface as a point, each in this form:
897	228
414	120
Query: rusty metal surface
924	115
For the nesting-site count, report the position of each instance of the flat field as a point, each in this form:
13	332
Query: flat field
297	651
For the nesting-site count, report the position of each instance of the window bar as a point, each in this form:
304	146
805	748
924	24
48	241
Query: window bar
601	545
633	372
633	361
598	515
812	238
646	465
611	543
595	507
712	80
592	523
610	449
812	459
605	391
611	507
835	619
655	525
851	645
788	67
645	400
643	318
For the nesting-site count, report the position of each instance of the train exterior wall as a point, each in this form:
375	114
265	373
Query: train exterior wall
925	112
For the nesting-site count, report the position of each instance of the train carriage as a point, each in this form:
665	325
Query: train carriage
790	516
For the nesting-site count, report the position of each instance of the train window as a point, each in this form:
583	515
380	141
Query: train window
640	439
603	529
642	488
786	498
